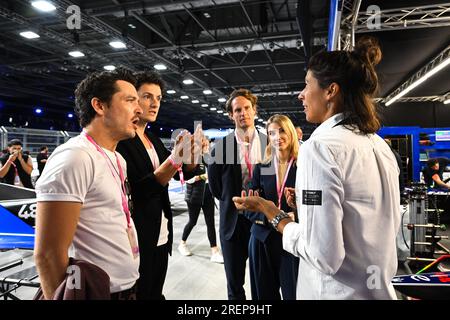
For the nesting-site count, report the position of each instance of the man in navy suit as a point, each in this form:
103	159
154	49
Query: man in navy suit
230	171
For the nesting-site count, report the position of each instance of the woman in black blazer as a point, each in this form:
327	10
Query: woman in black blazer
271	267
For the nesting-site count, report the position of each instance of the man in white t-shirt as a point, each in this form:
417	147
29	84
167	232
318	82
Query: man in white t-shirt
82	208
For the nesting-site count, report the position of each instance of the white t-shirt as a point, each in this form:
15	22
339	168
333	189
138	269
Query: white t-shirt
77	172
164	230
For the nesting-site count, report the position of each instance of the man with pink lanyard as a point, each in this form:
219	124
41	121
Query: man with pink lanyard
230	171
83	208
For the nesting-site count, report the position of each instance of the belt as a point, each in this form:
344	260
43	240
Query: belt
129	294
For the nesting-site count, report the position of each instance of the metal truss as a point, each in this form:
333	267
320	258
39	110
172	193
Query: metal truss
441	57
371	20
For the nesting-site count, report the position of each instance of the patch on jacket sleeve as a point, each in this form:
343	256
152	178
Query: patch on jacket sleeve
312	197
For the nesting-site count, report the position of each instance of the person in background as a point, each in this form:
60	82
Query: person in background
83	207
16	167
198	197
347	189
42	159
299	134
433	172
230	171
271	267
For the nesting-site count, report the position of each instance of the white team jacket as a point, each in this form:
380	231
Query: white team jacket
348	199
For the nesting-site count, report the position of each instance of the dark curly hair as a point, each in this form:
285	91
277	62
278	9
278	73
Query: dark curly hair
101	85
150	77
240	93
354	72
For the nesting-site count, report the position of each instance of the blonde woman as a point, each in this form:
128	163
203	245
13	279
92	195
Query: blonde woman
272	268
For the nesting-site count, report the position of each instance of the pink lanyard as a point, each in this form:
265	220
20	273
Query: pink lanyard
281	188
153	152
246	155
125	207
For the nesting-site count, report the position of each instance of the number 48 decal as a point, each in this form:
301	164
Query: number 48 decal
25	213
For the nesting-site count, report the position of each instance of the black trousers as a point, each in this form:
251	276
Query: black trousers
235	254
153	270
208	211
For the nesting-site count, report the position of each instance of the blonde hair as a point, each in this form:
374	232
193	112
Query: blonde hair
286	124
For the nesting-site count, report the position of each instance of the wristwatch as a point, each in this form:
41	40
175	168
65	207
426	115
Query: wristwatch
276	220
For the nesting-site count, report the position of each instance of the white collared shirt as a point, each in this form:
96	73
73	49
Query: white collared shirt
347	198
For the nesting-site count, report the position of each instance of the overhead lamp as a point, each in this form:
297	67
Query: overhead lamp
188	81
219	111
132	26
76	54
38	110
207	15
45	6
171	91
419	81
160	66
29	34
70	115
221	99
207	91
184	97
109	67
260	120
195	101
204	105
213	109
117	44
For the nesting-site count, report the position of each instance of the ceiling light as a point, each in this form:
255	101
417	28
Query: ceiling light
171	91
29	35
76	54
195	101
260	120
207	91
204	105
207	15
117	44
38	110
70	115
422	79
219	111
221	99
43	6
109	67
213	109
160	66
447	101
184	97
188	81
132	26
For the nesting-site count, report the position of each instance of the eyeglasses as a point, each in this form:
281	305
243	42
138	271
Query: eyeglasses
128	192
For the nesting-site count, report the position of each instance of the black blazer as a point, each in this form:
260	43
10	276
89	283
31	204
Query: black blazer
150	198
225	179
266	185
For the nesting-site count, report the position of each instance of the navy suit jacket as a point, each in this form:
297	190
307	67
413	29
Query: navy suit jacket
266	185
225	179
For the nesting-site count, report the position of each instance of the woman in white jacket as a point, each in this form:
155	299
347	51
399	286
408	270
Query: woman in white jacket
347	191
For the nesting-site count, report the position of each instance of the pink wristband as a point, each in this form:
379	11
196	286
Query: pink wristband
173	163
